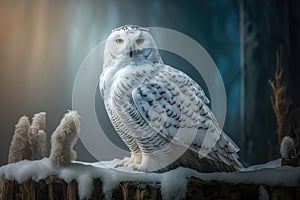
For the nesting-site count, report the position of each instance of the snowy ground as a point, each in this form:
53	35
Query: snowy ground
270	173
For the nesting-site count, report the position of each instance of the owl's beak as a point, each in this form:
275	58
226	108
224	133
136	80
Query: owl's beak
130	53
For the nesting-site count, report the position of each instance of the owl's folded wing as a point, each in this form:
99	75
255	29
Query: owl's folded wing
159	107
191	126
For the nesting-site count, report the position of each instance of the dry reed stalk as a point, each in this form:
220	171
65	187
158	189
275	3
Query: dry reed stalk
280	103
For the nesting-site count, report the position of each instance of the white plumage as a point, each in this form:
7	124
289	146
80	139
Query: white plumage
160	112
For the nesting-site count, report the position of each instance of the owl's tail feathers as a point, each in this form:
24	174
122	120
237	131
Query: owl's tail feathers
226	152
207	164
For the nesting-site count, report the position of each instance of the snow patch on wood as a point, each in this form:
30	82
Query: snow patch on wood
173	183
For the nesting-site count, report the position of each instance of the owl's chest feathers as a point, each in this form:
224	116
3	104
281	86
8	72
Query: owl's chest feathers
127	79
119	98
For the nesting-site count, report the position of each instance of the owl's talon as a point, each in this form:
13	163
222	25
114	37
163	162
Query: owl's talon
122	162
140	167
136	167
130	162
126	164
132	165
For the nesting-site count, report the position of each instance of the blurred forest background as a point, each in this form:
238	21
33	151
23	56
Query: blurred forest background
43	44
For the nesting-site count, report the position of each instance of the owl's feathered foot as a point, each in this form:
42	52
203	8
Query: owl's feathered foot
122	162
148	164
135	159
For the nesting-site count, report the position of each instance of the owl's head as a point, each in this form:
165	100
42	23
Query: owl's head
130	44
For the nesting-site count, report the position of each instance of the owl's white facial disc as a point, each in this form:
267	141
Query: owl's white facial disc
130	44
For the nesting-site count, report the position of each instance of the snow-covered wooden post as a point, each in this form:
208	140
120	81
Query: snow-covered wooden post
55	188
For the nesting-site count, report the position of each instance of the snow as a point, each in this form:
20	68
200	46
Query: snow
1	189
173	183
271	164
263	193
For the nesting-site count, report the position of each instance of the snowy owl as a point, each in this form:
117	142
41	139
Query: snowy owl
160	113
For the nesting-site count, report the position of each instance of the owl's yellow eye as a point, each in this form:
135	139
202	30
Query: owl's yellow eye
139	41
119	41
